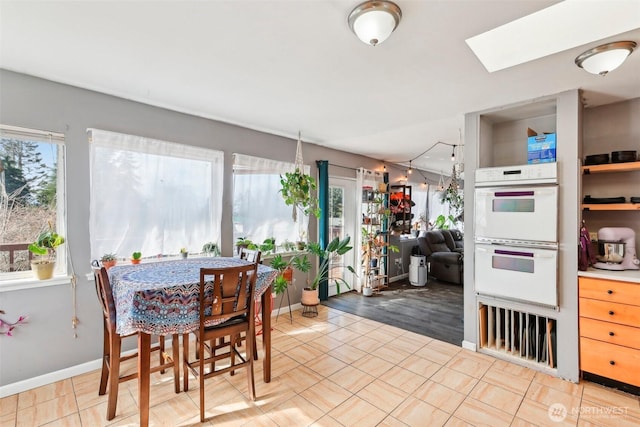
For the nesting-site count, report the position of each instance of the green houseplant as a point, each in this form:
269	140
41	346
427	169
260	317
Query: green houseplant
45	246
296	188
211	249
336	247
108	260
136	257
285	270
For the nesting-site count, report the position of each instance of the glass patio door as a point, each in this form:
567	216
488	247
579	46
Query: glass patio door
342	222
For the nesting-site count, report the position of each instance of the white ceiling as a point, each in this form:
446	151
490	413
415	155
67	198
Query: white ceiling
285	66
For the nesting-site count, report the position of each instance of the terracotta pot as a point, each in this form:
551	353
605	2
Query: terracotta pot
310	297
43	269
135	261
288	274
108	264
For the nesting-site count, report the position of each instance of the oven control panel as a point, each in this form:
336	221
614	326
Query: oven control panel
540	173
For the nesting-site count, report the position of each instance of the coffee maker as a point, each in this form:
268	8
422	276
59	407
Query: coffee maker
617	249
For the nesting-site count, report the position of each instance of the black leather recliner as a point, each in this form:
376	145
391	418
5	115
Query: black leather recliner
444	250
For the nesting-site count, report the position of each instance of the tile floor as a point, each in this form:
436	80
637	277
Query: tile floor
339	369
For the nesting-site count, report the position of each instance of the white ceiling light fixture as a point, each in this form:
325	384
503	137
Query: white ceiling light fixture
374	21
604	58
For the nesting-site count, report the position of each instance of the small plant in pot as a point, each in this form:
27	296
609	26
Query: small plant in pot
136	257
211	249
285	270
184	252
108	260
244	242
45	246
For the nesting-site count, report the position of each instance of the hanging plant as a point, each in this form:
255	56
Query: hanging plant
452	196
296	191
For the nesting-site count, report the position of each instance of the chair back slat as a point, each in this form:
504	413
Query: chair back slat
226	293
251	255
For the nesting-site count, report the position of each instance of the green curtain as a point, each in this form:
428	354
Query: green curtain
323	221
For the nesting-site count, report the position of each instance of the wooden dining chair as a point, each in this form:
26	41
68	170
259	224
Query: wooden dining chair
226	311
251	255
112	346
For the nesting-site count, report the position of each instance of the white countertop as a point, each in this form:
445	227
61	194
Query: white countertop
624	276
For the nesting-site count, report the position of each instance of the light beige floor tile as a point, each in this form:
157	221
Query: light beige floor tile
44	393
351	379
362	327
434	354
259	420
391	330
296	411
347	353
304	353
478	413
373	365
408	343
603	415
541	414
383	395
72	420
439	396
272	394
357	412
325	365
455	380
47	411
232	413
301	378
326	395
420	366
326	421
366	344
415	412
381	335
284	342
325	343
391	422
457	422
519	422
345	335
390	353
471	366
8	420
9	405
513	369
549	396
558	384
611	398
496	397
508	381
403	379
281	364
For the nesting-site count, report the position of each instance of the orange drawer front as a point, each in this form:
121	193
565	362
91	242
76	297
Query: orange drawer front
610	312
612	333
610	361
610	290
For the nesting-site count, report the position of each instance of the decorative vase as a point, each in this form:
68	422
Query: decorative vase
43	269
367	292
310	297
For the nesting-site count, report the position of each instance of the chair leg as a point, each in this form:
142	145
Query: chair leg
104	376
114	375
232	352
175	346
201	378
250	380
255	348
185	361
161	344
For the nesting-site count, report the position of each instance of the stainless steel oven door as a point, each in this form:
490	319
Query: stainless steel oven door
517	213
518	273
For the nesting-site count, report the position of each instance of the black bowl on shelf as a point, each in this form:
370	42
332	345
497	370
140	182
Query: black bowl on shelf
623	156
596	159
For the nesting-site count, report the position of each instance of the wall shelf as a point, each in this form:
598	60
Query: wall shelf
611	167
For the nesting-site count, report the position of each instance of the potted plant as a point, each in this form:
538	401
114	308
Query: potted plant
211	249
452	196
108	260
373	247
336	247
184	253
244	242
296	191
45	246
136	257
268	246
285	270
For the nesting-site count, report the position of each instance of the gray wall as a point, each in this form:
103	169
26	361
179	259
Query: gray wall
47	344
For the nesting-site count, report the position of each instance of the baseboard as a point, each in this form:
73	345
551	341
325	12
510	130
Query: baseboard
398	278
469	345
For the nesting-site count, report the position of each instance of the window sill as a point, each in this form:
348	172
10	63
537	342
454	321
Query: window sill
30	283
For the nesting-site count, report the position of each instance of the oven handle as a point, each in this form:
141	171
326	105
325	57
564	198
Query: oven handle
522	193
516	253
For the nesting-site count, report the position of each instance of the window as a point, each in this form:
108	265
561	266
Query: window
31	196
258	210
152	196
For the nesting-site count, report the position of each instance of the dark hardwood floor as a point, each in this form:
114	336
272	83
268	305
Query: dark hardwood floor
434	310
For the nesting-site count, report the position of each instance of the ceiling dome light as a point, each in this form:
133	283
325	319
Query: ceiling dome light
374	21
607	57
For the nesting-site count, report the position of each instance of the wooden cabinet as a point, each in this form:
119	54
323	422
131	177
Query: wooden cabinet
610	329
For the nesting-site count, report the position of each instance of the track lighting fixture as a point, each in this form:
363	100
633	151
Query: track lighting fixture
453	154
410	171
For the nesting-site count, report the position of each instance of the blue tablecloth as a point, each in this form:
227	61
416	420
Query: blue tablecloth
161	298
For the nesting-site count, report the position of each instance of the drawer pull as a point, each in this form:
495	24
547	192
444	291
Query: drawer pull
611	334
609	291
611	312
612	362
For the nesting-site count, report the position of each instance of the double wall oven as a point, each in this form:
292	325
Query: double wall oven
516	233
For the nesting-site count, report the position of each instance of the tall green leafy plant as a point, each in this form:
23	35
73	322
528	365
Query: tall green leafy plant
335	247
